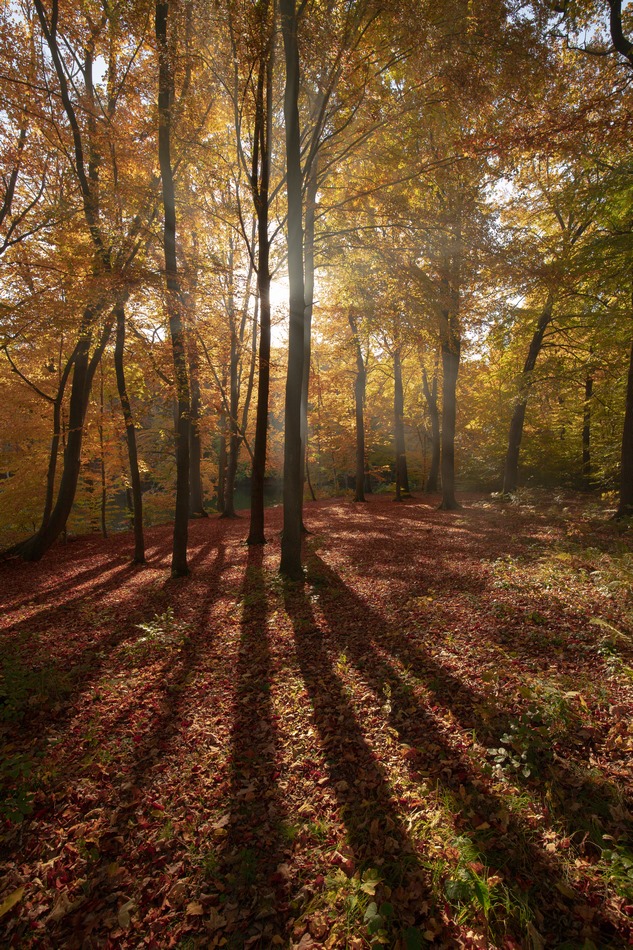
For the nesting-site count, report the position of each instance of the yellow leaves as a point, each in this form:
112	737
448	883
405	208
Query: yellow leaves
123	915
194	909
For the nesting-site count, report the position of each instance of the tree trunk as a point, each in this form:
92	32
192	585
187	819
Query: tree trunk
130	434
625	504
174	295
451	346
196	494
359	403
430	394
234	438
311	193
309	481
84	369
260	183
511	473
104	497
586	434
57	431
402	474
222	463
291	540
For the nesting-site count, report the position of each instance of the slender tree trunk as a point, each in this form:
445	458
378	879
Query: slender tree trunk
57	431
196	494
174	295
84	369
130	436
402	474
430	394
263	135
451	346
311	193
234	394
222	464
625	504
293	494
511	473
359	403
586	434
309	481
104	497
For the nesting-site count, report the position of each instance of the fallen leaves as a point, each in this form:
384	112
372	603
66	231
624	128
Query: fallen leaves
310	767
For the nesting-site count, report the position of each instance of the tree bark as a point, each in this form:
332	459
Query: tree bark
511	473
84	369
222	463
260	180
130	435
174	299
196	494
402	473
104	496
451	346
57	430
311	193
430	394
586	434
625	503
359	403
291	565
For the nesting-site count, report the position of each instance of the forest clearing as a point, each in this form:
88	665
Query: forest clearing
426	743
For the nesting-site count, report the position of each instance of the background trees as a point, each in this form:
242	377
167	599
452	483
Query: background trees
467	246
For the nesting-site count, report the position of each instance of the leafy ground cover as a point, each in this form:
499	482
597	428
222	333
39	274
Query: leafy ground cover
429	743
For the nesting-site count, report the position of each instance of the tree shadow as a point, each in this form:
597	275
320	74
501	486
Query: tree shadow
509	844
376	833
250	855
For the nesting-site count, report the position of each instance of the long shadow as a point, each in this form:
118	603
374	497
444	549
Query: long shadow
368	642
253	850
141	796
375	828
61	611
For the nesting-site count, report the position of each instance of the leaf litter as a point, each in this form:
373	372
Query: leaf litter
427	743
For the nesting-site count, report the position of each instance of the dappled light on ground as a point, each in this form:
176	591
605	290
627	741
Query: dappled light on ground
427	743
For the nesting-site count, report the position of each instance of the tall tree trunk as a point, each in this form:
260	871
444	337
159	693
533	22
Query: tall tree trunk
57	431
234	438
359	403
234	395
451	346
430	394
261	184
511	473
290	564
130	436
174	299
402	474
196	494
84	369
311	193
625	504
104	497
586	434
222	463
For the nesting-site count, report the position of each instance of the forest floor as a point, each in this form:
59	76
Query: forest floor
428	743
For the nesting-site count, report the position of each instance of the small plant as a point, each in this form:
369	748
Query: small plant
163	632
620	868
377	920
